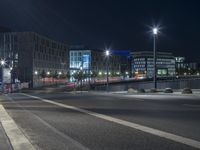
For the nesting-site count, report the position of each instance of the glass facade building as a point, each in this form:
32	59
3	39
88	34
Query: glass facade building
143	64
80	58
90	61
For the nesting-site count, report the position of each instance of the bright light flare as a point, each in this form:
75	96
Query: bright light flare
3	62
155	31
107	52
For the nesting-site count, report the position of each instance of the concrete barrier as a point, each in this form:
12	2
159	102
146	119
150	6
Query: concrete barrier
173	84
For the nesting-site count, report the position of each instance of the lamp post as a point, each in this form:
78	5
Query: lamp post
81	74
36	78
107	63
2	82
155	32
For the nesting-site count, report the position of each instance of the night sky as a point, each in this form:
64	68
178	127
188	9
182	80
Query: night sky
118	24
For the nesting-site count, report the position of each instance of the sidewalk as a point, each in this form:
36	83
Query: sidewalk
4	141
11	137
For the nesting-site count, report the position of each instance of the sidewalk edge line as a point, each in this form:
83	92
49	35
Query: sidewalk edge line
16	137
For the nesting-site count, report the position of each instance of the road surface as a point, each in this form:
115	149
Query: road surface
100	121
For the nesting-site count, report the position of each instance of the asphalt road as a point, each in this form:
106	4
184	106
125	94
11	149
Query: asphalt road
52	127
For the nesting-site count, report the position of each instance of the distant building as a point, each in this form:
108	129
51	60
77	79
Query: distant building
180	62
193	65
29	54
92	60
125	61
143	64
183	67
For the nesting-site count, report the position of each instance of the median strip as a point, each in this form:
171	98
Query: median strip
163	134
15	135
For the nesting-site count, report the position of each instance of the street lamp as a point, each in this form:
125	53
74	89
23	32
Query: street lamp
36	76
107	52
155	32
81	74
107	63
2	62
36	73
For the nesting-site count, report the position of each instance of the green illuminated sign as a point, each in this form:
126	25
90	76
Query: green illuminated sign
162	72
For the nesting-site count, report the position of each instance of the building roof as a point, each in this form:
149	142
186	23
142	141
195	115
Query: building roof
150	54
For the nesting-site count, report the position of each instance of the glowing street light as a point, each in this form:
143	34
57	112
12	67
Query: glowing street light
81	71
59	73
36	73
107	63
107	52
155	32
3	62
48	73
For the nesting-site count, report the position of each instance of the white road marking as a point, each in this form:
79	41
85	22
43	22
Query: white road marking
76	144
163	134
15	135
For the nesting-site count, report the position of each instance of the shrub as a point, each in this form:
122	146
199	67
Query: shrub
187	91
131	90
141	91
168	90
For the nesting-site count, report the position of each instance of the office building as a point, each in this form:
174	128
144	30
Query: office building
180	63
143	64
30	54
125	61
183	67
92	60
